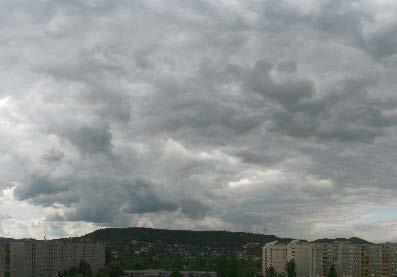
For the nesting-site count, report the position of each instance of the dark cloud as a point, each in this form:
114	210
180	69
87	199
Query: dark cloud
346	113
290	93
383	43
91	139
113	202
362	24
38	185
53	155
142	199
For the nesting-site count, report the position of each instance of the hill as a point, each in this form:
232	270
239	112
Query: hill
6	240
222	239
353	240
143	248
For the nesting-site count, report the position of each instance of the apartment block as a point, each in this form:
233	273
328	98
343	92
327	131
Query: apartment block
48	258
2	260
277	255
388	253
393	260
370	260
321	258
348	260
299	252
274	255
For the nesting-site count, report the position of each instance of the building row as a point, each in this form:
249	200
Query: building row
164	273
33	258
317	259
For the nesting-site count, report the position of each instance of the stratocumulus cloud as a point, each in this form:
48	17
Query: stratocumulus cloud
198	114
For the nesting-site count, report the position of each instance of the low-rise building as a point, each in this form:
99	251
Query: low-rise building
163	273
198	274
147	273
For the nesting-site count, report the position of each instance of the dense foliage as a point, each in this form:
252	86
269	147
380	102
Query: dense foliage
144	255
203	238
233	267
271	272
111	270
332	271
290	268
82	270
353	240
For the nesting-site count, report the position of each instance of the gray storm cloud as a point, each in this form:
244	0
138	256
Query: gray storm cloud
200	114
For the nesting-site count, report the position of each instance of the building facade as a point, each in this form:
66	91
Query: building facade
163	273
277	255
321	258
389	260
299	252
48	258
147	273
274	255
2	260
348	260
197	274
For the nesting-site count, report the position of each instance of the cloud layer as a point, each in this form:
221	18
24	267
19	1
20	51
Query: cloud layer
198	114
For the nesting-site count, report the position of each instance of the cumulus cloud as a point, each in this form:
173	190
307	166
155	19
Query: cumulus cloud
196	114
346	113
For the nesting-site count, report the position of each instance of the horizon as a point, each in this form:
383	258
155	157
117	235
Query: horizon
190	230
274	116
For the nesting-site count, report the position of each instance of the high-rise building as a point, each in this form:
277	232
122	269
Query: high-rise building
347	259
48	258
277	255
274	255
2	260
370	260
322	257
393	259
299	252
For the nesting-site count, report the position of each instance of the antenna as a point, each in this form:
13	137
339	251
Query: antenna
264	230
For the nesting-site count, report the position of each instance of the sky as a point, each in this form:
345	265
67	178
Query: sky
266	116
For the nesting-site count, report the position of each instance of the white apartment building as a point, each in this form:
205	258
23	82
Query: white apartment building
349	260
277	255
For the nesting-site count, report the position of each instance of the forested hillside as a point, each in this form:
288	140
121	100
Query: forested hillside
199	238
